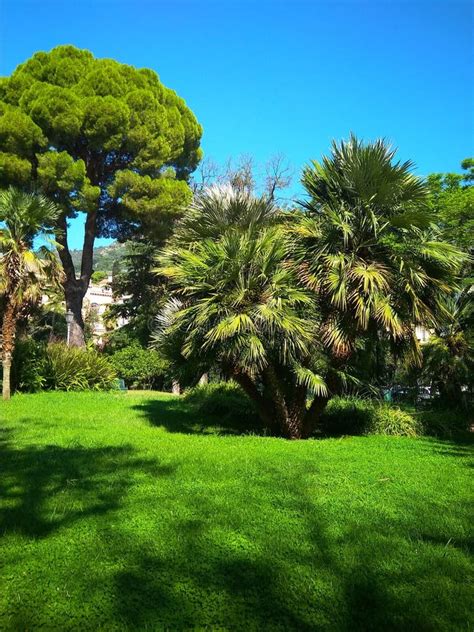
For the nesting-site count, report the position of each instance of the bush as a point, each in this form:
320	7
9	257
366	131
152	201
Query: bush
72	369
27	365
140	368
360	416
225	401
447	423
386	420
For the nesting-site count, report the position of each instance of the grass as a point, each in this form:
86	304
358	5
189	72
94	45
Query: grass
127	512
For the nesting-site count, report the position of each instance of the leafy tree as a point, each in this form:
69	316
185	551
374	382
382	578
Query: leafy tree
98	276
281	301
140	290
140	368
452	201
99	137
238	304
24	273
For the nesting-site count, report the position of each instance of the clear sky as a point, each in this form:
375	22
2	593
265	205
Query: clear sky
266	76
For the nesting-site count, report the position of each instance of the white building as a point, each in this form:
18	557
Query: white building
96	301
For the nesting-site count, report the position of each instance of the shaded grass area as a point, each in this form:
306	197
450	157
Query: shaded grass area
131	512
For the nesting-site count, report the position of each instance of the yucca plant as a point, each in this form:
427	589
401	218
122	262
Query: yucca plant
25	273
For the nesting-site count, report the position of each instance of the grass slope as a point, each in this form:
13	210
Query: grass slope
112	518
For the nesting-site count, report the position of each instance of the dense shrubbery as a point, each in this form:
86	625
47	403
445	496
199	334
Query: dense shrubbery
359	416
225	400
27	366
447	423
140	368
58	367
75	369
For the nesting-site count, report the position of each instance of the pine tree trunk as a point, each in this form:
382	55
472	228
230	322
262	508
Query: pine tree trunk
74	300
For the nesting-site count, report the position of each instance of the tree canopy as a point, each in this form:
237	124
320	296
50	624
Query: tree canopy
100	137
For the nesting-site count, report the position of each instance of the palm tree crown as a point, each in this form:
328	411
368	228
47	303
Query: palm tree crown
366	247
24	272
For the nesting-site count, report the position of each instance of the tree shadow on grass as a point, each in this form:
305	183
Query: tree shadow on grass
179	415
354	577
83	482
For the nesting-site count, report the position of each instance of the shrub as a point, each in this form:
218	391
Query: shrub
140	368
361	416
387	420
73	369
27	365
447	423
226	401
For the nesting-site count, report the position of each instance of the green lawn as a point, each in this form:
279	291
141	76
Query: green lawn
124	512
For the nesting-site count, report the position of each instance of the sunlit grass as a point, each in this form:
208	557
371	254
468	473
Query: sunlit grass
121	512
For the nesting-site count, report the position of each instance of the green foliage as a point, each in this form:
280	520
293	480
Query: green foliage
107	258
140	368
359	416
283	302
98	276
160	530
226	402
73	111
366	247
27	366
387	420
448	356
452	202
102	138
73	369
140	290
447	422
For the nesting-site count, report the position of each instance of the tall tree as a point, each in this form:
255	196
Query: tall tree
24	273
99	137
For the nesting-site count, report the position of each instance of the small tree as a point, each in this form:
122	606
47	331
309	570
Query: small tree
24	273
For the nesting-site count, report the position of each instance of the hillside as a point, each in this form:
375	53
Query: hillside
104	256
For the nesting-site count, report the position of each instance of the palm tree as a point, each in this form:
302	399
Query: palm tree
448	356
237	303
366	248
24	272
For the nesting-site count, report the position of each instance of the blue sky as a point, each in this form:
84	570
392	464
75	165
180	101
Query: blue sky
268	76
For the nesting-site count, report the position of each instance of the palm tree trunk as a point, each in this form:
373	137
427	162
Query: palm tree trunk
8	339
6	364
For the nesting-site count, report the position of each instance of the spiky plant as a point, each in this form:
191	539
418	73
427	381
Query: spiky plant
25	273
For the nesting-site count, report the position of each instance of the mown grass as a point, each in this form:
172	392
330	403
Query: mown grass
128	512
